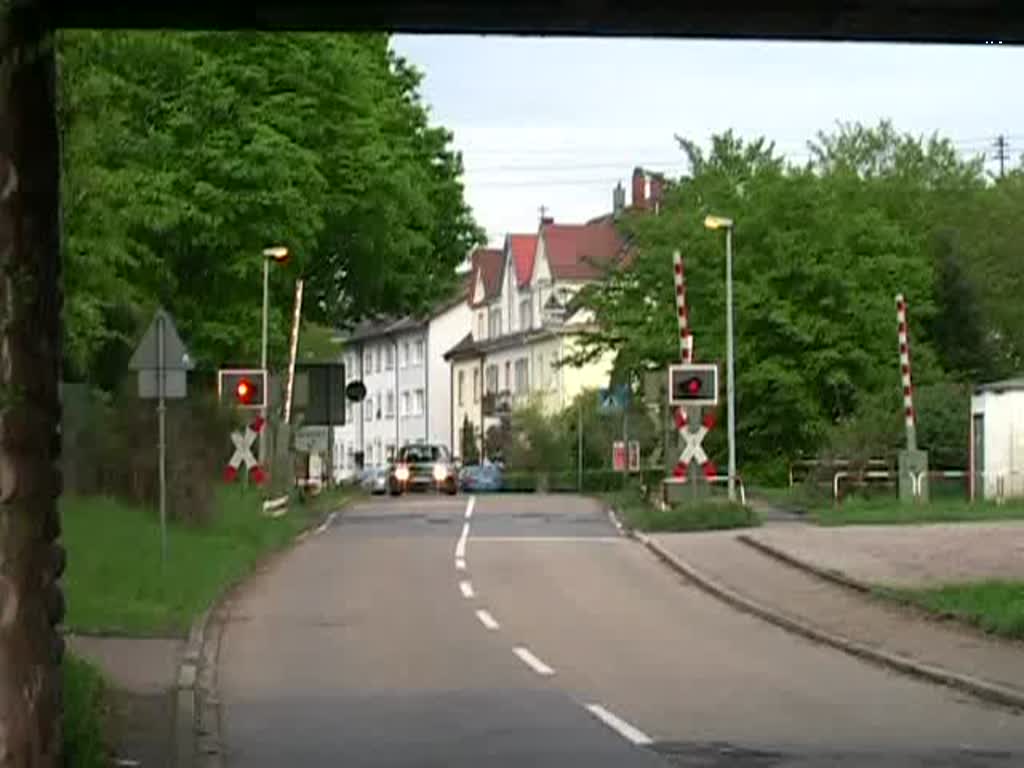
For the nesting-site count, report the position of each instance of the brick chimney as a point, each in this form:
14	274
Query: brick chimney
639	188
657	188
618	199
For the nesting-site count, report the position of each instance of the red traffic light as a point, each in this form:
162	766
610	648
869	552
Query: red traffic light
244	391
242	387
693	384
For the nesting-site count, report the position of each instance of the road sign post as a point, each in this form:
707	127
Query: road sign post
619	456
162	363
633	448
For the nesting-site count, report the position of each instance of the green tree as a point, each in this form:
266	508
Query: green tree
820	251
469	443
188	153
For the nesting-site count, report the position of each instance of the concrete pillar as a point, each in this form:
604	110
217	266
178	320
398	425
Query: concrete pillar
31	562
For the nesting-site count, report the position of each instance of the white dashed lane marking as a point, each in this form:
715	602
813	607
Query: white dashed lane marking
533	662
487	620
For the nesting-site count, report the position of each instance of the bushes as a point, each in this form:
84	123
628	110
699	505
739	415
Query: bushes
110	448
83	693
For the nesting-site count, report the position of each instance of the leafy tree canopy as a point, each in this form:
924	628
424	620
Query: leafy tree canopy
186	154
820	252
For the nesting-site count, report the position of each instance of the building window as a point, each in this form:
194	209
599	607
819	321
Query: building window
380	364
553	379
405	403
494	329
389	357
522	376
542	372
367	362
389	410
480	327
367	410
418	349
508	375
418	402
492	379
525	315
378	451
476	385
349	412
390	457
461	385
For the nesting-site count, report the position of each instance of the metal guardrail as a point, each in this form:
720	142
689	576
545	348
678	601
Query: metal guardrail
917	479
869	475
877	464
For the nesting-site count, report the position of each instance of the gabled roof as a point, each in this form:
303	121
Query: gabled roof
488	264
581	251
524	249
465	346
380	325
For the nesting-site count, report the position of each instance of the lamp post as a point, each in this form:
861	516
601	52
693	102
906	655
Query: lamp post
714	223
278	254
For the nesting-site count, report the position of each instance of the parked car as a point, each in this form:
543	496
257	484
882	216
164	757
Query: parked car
422	466
374	479
481	478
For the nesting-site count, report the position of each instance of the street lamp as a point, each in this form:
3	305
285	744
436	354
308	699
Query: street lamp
715	223
278	254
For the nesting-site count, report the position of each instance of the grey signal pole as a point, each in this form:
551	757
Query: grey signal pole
720	222
730	363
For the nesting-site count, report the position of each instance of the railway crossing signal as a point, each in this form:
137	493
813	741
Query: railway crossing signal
242	387
693	384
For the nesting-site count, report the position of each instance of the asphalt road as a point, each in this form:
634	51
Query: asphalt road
530	634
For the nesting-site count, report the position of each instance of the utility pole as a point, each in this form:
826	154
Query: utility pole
1001	146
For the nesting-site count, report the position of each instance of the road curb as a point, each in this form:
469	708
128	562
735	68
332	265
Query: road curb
828	574
198	742
982	689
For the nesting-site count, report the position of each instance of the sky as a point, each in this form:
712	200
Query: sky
556	122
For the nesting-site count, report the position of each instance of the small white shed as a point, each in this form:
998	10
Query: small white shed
997	440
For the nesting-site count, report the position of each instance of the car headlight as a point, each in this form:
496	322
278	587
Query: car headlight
402	473
440	472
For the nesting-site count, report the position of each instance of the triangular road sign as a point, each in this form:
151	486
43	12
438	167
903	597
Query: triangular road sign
176	357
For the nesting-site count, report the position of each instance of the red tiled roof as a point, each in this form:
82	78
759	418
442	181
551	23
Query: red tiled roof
488	263
579	251
524	248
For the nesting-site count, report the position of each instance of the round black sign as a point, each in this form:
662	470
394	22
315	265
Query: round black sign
355	391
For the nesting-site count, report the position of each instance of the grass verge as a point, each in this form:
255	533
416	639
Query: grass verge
636	513
84	713
995	606
115	582
892	512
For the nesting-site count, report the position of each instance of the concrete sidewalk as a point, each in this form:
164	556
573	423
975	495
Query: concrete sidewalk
838	611
142	674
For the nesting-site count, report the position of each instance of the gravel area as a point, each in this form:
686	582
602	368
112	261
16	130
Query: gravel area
908	556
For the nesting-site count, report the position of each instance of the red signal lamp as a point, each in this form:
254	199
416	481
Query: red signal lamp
693	386
244	391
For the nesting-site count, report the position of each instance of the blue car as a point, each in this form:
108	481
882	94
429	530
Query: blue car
481	478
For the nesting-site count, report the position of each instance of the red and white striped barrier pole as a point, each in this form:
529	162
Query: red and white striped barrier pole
685	348
685	337
910	417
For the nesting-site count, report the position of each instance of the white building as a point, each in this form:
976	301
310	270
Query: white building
408	385
997	440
